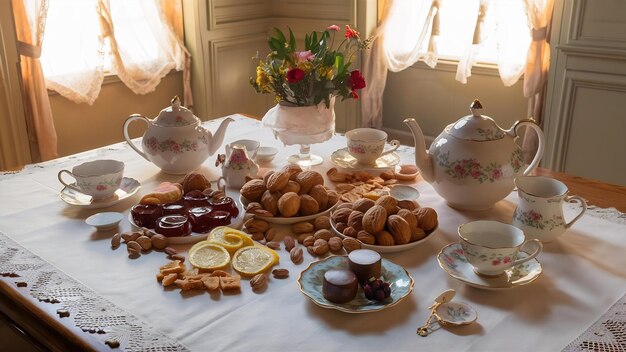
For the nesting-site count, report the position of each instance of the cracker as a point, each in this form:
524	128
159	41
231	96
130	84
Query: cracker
211	283
230	283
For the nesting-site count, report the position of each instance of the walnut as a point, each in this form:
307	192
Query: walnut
366	237
374	219
269	200
363	205
289	204
277	181
389	203
308	205
399	228
194	181
355	220
253	190
319	193
308	179
426	218
384	238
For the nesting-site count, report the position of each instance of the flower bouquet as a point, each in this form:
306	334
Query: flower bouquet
306	83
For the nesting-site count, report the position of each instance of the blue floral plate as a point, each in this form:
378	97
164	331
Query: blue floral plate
311	279
452	260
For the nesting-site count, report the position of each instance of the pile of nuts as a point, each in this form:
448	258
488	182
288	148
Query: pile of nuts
315	236
384	222
142	241
288	192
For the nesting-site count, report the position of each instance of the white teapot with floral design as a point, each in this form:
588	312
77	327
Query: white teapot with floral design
473	162
175	140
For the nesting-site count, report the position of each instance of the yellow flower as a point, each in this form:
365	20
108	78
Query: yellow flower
326	72
305	66
262	79
277	99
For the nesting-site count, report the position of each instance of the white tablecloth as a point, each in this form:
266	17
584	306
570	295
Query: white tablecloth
584	273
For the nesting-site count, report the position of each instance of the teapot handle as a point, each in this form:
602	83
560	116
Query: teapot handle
532	124
130	119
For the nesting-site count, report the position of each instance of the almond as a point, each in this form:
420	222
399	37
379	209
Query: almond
363	205
280	273
366	237
322	222
289	242
257	225
144	242
308	241
335	244
323	234
273	245
409	217
355	220
426	218
258	281
320	247
417	234
133	248
302	227
130	236
384	238
333	198
389	203
407	204
341	215
296	255
269	200
270	234
303	236
116	240
350	232
292	186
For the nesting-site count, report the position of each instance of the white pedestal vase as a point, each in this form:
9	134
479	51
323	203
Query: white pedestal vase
302	125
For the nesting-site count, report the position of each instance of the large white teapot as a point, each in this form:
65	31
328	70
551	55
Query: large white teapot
473	162
175	140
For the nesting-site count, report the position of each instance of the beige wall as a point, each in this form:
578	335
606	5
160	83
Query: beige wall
82	127
435	99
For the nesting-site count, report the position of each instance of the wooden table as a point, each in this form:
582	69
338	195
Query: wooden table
40	320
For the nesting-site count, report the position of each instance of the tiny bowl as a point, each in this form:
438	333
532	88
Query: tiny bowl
104	221
266	153
404	192
406	172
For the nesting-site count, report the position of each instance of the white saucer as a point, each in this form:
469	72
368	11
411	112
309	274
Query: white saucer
104	221
452	260
404	192
265	153
342	158
128	187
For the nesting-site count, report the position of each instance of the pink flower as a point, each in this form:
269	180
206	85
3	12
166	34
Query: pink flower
496	174
303	56
535	216
507	260
295	75
351	33
475	173
495	262
334	27
101	187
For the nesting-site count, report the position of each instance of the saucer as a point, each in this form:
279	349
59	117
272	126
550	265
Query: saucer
104	221
311	278
452	260
265	153
128	187
404	192
342	158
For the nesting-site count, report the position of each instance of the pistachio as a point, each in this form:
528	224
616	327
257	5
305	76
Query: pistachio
289	242
258	281
280	273
115	240
296	255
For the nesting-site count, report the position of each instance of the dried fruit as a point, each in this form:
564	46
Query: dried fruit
289	204
144	242
351	244
280	273
376	289
289	242
258	282
322	222
384	238
277	181
302	227
115	240
399	228
253	190
296	255
374	219
335	244
308	205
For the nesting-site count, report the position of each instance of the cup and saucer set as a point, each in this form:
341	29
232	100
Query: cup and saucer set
99	184
366	151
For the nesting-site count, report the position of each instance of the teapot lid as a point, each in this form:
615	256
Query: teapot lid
175	115
476	127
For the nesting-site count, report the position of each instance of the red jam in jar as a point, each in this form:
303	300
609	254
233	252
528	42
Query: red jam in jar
146	215
204	219
225	204
173	226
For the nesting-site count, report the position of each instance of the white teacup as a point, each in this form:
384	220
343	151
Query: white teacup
99	179
251	146
539	212
492	246
366	145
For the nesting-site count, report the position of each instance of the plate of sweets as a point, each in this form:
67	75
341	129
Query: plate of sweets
186	212
288	196
360	282
384	225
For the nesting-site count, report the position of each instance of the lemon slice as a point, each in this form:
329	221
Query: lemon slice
208	256
251	260
221	231
229	241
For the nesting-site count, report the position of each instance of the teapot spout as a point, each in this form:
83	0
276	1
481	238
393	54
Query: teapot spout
422	159
215	141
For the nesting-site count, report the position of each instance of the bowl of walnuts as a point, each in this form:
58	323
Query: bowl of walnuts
288	196
385	225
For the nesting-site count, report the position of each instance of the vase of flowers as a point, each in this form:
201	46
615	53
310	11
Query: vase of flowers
306	84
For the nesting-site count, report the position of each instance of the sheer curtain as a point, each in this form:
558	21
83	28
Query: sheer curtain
413	30
142	39
30	21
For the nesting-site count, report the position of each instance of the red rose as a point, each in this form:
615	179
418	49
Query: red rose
351	33
355	95
295	75
356	80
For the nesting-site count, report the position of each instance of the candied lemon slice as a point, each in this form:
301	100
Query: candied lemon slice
209	256
229	241
222	231
249	261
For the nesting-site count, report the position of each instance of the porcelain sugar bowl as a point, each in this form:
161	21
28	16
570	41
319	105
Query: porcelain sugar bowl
473	162
175	141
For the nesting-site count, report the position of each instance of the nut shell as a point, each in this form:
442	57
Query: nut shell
363	205
374	219
366	237
289	204
253	190
351	244
355	220
384	238
269	200
426	218
308	179
277	181
308	205
389	203
341	215
195	181
399	228
322	222
319	193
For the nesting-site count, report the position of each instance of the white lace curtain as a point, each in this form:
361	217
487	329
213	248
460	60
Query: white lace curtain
144	43
413	30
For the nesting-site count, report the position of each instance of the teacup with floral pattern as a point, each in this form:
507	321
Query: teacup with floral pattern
99	179
368	144
491	247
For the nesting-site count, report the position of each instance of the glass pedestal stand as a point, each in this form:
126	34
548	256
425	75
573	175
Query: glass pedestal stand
304	158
